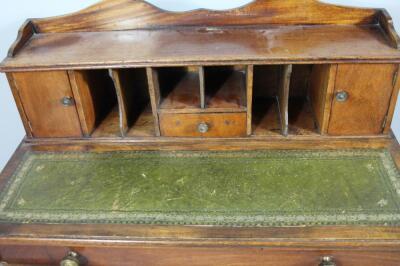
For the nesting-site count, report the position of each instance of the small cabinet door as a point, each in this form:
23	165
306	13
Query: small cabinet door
48	103
361	98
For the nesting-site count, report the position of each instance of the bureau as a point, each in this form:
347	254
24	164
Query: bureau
253	136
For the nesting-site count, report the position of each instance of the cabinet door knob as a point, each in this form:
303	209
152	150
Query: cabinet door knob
67	101
72	259
342	96
327	261
202	128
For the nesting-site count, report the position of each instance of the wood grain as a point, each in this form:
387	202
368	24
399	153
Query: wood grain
225	87
386	22
154	92
26	32
177	256
20	107
266	118
249	97
179	88
95	97
41	93
183	47
109	126
123	103
261	142
393	101
136	14
220	125
370	88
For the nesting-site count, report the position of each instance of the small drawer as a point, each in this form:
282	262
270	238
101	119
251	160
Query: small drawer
203	125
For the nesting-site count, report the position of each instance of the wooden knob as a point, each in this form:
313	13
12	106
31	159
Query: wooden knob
72	259
327	261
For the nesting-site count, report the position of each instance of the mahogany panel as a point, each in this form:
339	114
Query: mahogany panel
219	125
198	256
41	95
369	88
134	14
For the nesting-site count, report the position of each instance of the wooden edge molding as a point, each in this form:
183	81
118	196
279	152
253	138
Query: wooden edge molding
26	31
109	15
393	101
199	144
386	22
120	235
20	106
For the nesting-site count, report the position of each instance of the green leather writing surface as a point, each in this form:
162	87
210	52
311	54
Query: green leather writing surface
271	188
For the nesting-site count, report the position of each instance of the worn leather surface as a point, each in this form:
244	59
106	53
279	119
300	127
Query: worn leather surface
272	188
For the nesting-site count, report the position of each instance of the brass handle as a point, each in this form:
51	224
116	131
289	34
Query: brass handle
203	128
342	96
72	259
327	261
67	101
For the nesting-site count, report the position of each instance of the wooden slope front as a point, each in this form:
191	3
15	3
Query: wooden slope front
131	33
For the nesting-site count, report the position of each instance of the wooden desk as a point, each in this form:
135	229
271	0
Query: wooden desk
125	76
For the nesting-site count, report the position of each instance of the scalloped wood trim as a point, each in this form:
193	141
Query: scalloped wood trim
111	15
26	31
386	22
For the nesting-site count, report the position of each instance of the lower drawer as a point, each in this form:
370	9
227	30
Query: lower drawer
197	256
203	125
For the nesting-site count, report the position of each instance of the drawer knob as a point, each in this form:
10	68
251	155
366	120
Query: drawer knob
72	259
327	261
67	101
203	128
342	96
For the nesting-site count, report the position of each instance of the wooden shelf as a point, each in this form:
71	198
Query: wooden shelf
143	126
301	117
188	46
265	117
225	87
182	92
109	127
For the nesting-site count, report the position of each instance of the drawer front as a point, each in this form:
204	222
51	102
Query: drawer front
48	103
203	125
196	256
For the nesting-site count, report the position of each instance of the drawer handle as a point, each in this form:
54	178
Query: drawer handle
327	261
72	259
67	101
342	96
203	128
